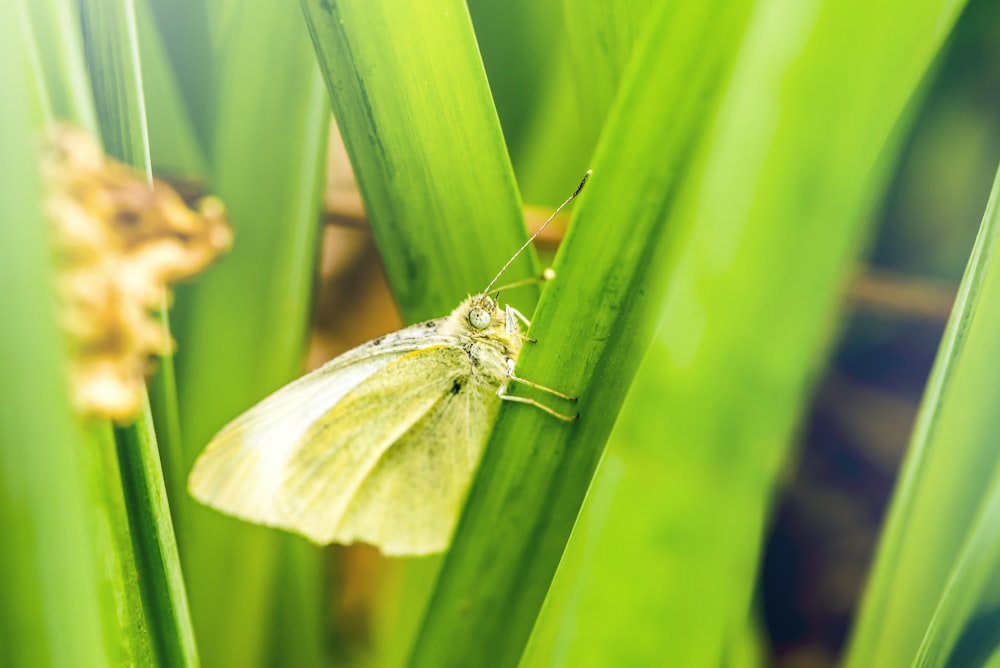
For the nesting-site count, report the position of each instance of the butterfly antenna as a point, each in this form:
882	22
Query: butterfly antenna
537	232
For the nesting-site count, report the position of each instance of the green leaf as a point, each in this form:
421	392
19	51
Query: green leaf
532	84
52	33
594	323
940	549
52	609
413	106
241	327
124	579
663	560
112	51
601	37
157	561
174	151
414	109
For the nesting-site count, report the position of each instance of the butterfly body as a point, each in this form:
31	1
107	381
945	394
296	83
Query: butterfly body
379	444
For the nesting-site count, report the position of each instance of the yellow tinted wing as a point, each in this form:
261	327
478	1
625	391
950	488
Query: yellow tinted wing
391	462
242	469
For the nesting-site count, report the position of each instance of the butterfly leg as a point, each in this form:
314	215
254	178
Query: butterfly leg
557	393
511	311
532	402
502	393
518	315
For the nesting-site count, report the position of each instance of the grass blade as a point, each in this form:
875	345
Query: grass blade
56	29
939	545
702	440
662	563
536	471
973	571
532	85
161	581
52	611
174	151
123	578
413	106
241	328
112	51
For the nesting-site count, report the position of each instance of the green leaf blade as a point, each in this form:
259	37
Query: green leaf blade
53	610
664	558
593	323
938	550
412	103
241	329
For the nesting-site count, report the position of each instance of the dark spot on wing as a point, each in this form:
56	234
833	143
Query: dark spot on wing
378	341
431	324
456	387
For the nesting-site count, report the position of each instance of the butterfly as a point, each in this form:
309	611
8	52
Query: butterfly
378	445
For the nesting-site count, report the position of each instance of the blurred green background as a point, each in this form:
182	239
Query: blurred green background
754	302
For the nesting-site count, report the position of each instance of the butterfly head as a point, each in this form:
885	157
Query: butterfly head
481	314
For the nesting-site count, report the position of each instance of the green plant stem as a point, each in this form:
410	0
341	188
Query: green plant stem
939	548
413	106
593	325
65	82
52	612
161	581
112	51
241	328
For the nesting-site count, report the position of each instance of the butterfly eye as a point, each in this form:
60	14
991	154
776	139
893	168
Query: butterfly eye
479	318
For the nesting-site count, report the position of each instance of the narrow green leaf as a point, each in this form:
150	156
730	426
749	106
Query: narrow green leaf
528	67
123	579
174	151
412	103
55	28
414	108
51	610
594	322
241	327
174	146
165	413
161	581
940	548
112	51
975	566
663	561
601	37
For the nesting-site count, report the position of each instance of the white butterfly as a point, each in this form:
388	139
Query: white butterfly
379	444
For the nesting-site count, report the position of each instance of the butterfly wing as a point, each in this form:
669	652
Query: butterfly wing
242	469
391	462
